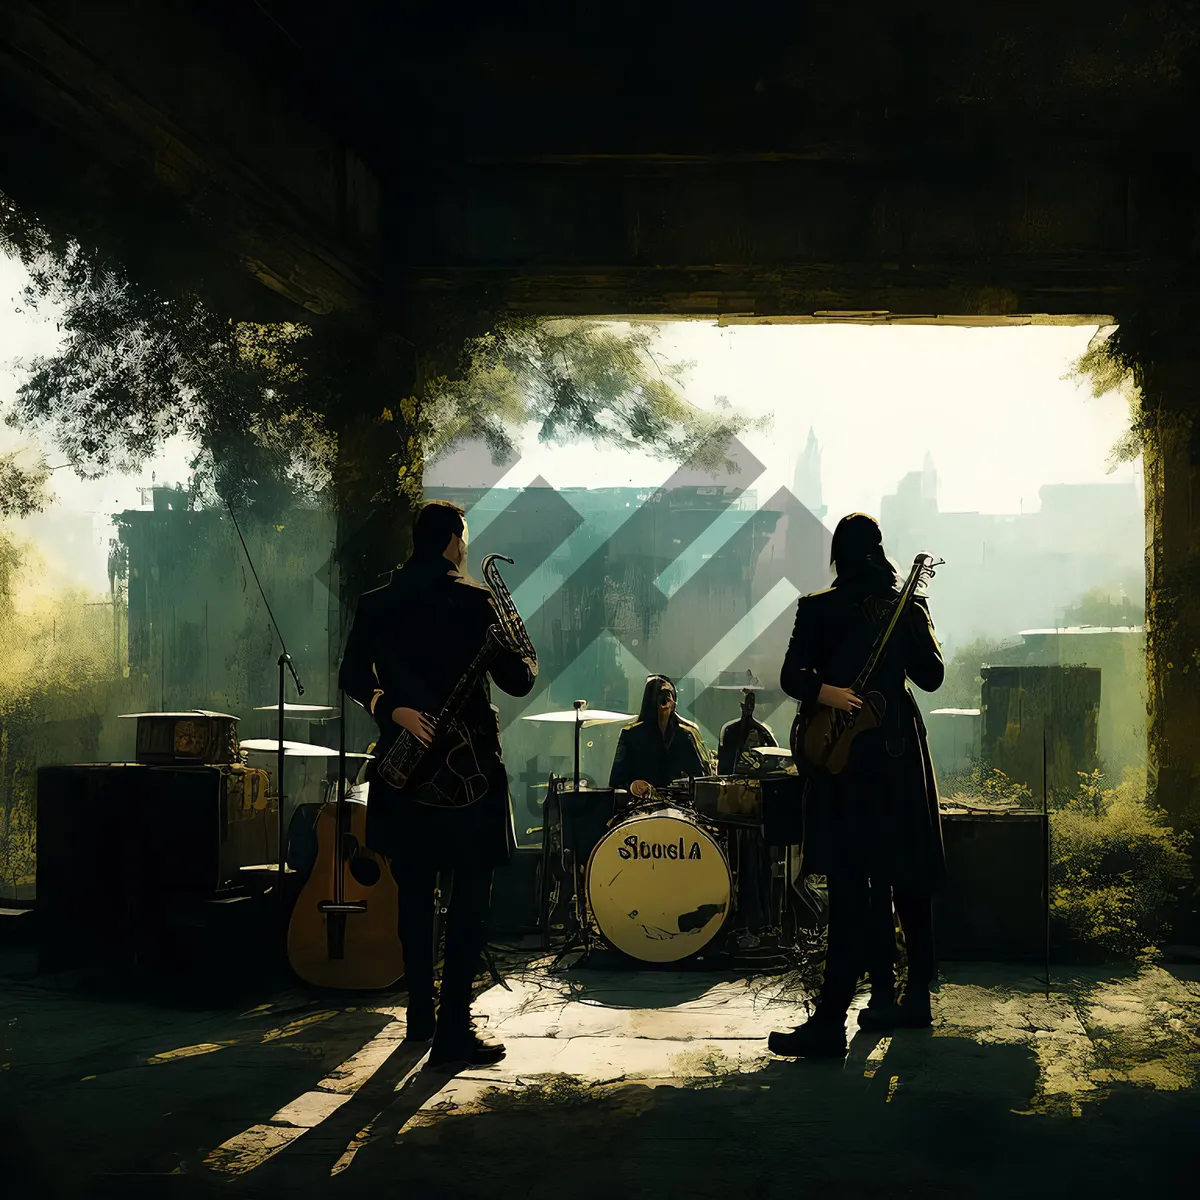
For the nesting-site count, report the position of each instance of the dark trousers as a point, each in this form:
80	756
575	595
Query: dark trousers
466	937
862	939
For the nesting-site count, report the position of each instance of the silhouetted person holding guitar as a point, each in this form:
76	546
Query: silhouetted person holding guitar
873	829
411	642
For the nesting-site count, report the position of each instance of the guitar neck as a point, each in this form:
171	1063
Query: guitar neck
905	599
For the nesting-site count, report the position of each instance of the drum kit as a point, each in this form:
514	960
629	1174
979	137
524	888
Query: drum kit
676	874
670	874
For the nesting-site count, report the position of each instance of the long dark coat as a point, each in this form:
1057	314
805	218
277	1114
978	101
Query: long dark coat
644	753
410	643
879	817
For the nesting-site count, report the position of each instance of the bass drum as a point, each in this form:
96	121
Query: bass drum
659	886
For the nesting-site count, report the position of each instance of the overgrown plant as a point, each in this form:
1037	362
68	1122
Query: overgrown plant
56	656
1116	865
979	783
1111	363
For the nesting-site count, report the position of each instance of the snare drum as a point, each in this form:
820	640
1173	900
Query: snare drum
658	885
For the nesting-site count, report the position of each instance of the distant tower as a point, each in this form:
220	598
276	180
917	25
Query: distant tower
806	483
929	485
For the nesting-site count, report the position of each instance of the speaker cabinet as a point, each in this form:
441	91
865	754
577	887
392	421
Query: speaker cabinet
118	845
992	906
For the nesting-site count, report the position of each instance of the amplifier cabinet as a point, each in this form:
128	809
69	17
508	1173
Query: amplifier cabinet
992	905
119	843
186	738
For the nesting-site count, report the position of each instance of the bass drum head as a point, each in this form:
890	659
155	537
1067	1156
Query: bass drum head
659	886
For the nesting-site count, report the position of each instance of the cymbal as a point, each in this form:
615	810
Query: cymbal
191	712
295	749
769	751
296	708
587	716
739	687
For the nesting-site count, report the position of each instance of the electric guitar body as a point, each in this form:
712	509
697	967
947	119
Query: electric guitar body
343	931
823	738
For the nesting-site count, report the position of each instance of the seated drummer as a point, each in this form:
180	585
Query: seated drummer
660	746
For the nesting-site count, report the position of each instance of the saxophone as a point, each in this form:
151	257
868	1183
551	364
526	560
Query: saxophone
446	773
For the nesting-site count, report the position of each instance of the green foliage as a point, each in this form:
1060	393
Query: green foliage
1115	862
136	367
23	489
1115	865
572	379
984	785
56	654
268	403
1111	364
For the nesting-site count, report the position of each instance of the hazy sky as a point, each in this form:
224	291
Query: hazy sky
989	404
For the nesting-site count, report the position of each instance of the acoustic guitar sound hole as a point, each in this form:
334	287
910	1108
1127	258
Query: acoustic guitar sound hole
365	871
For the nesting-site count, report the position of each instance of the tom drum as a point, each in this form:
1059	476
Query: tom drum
659	885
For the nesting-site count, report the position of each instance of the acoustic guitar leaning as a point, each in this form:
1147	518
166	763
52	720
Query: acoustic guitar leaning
343	932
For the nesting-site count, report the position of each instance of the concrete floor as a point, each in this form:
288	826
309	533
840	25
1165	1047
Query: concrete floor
615	1085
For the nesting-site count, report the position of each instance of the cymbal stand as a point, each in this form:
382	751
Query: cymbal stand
580	705
580	937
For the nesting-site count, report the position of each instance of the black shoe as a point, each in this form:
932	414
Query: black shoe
816	1038
420	1025
467	1049
914	1014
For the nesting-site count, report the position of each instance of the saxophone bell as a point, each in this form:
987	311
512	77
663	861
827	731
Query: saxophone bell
510	631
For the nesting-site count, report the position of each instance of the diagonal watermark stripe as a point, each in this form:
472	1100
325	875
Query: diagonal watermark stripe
743	635
710	543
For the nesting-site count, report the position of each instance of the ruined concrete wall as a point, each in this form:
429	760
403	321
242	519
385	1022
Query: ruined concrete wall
1172	462
1021	705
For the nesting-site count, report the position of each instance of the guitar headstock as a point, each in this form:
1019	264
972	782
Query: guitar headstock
924	569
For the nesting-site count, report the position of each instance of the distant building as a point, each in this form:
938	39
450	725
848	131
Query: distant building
806	482
1120	654
1008	572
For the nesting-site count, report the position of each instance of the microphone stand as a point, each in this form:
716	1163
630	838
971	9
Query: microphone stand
285	662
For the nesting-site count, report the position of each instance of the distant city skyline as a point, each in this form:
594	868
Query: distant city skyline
990	406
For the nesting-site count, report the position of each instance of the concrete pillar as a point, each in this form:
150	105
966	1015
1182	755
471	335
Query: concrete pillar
1172	471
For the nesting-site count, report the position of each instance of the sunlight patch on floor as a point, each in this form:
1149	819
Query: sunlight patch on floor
1134	1030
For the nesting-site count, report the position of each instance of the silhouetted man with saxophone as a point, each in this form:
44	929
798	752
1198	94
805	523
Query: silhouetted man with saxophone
411	643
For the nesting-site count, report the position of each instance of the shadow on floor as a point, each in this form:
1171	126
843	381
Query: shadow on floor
791	1129
93	1107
